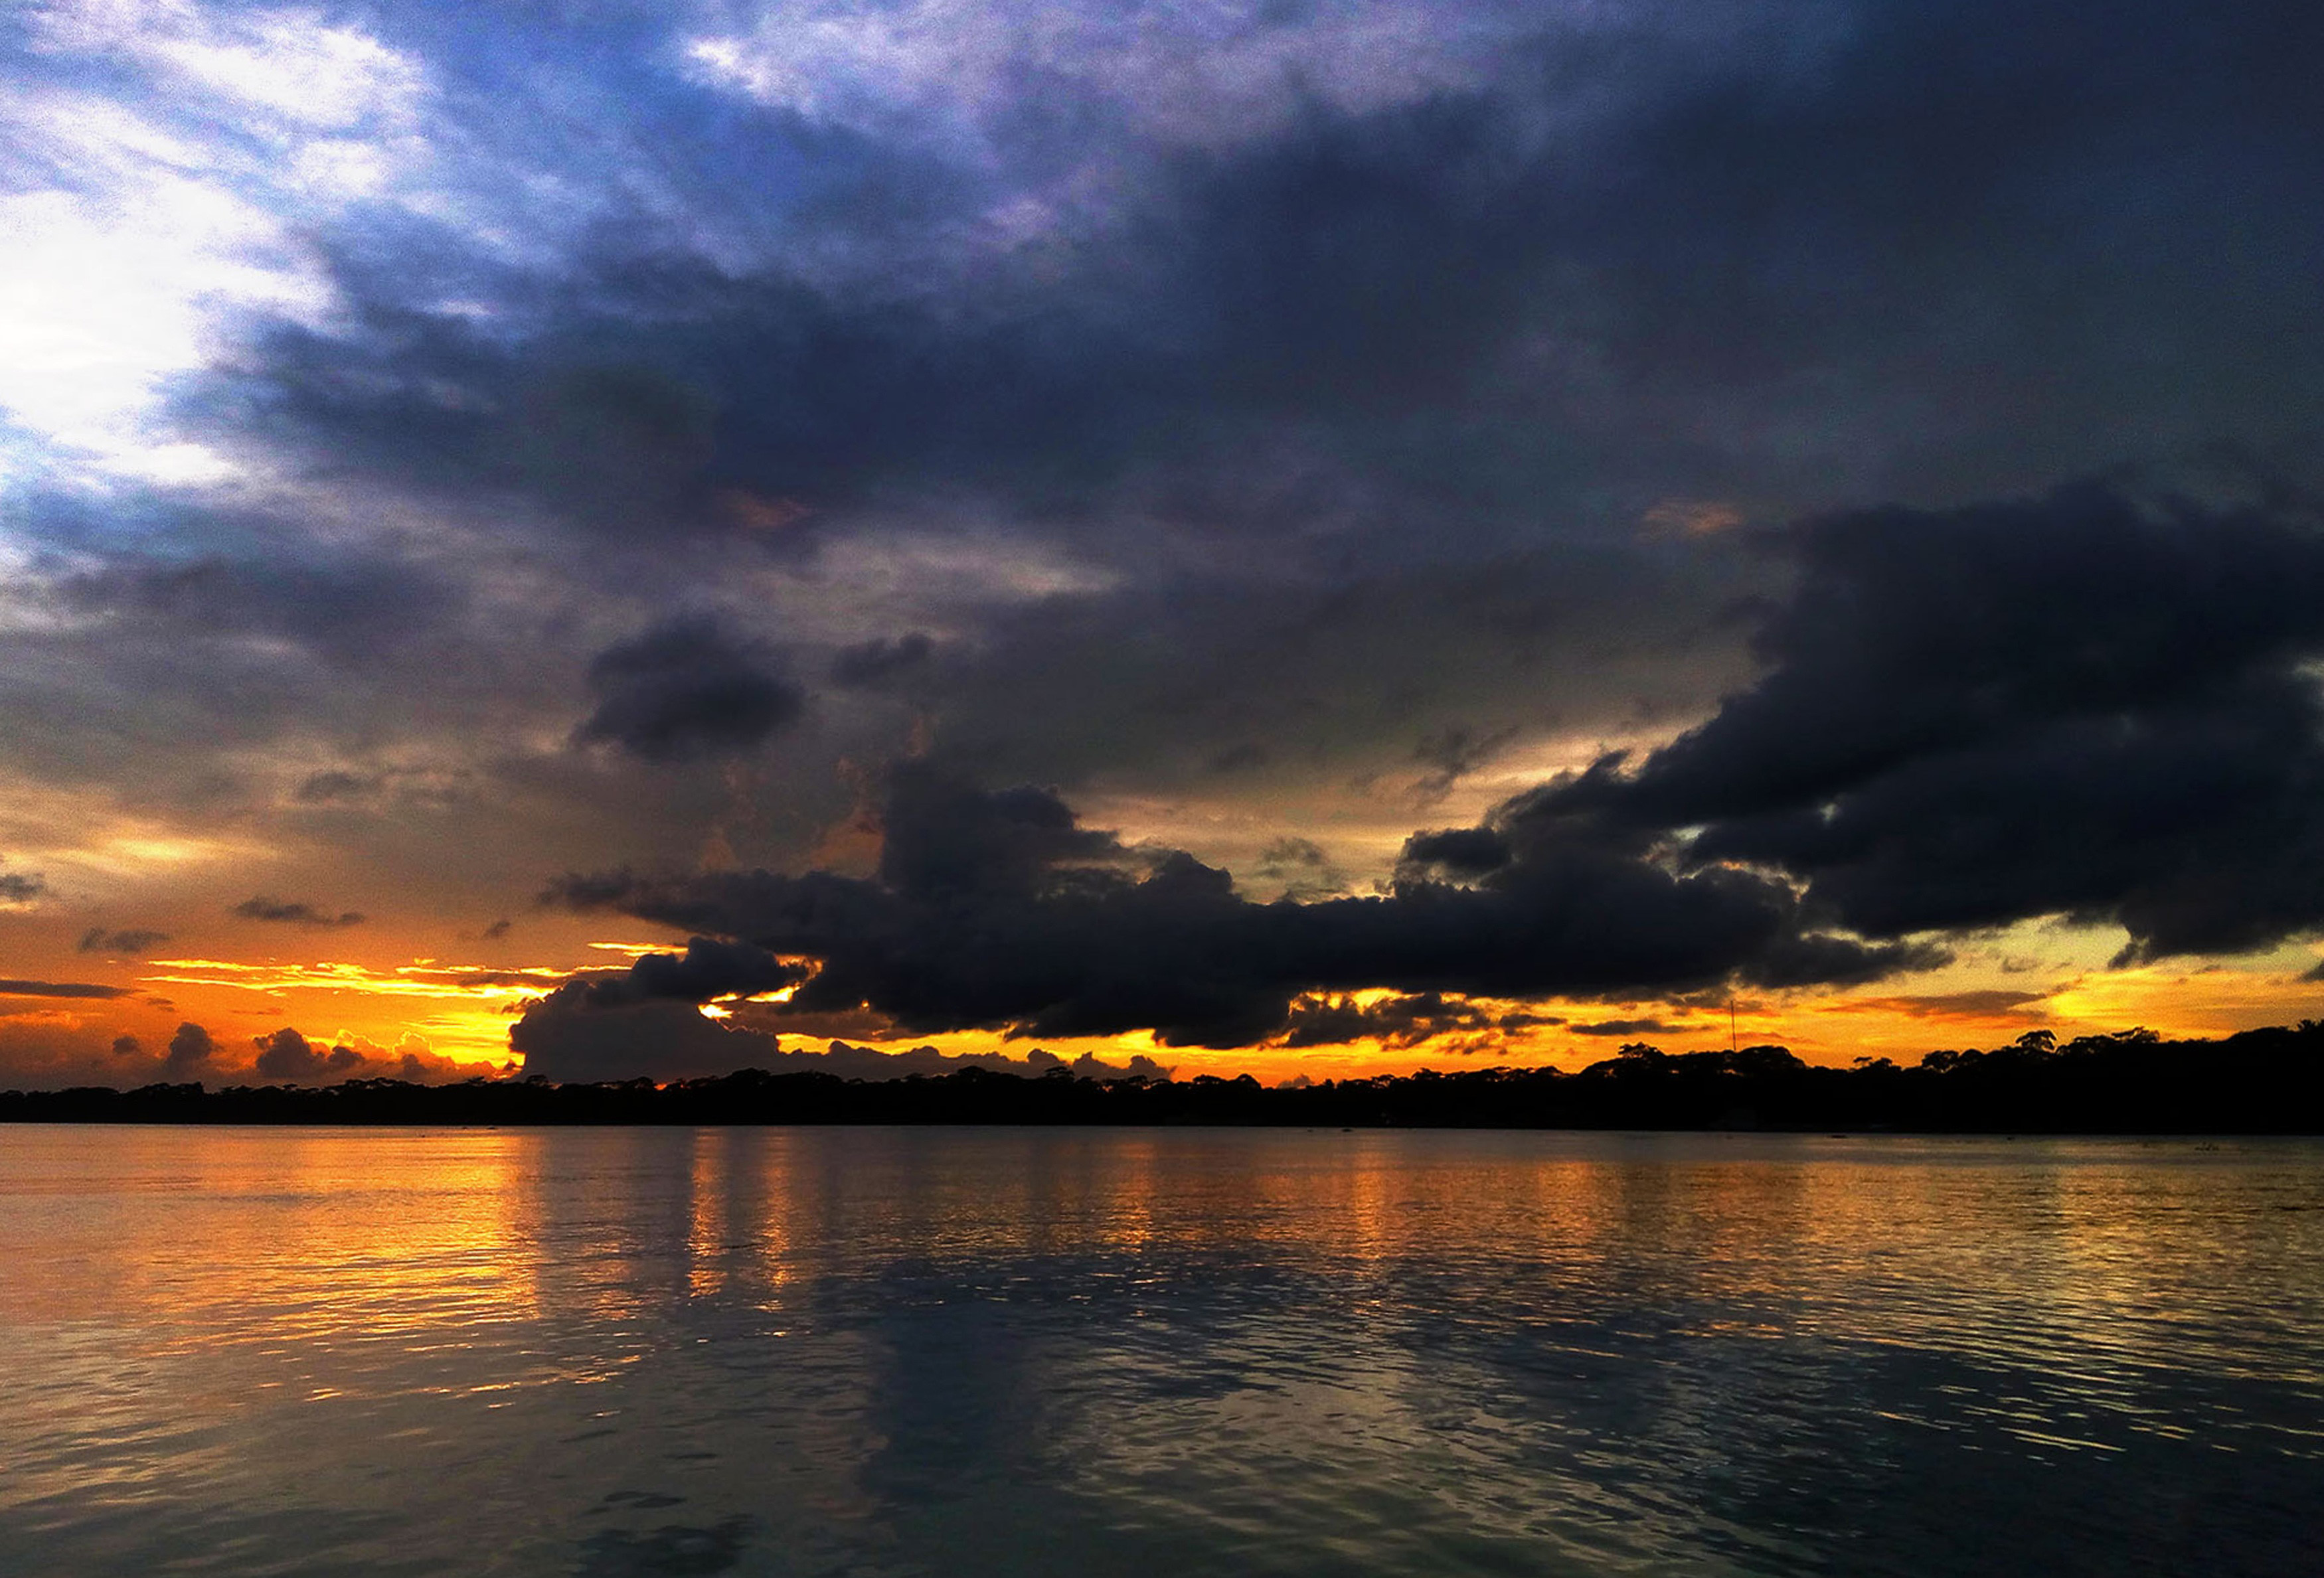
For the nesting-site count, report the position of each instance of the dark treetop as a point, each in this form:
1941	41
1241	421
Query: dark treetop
2266	1081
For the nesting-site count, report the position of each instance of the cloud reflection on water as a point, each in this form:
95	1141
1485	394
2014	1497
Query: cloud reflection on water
809	1351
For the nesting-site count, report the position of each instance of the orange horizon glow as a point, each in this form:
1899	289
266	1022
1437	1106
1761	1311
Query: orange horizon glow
460	1012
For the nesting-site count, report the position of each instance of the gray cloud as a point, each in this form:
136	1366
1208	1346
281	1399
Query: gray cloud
60	989
286	1055
279	912
127	943
997	910
1403	1022
191	1053
574	1037
345	608
333	785
1625	261
1208	430
880	661
2093	703
684	690
708	969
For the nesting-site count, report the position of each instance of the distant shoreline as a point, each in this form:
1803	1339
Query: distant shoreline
2257	1082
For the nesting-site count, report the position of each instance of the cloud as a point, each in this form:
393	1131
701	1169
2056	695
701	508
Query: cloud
708	970
565	1038
295	914
127	943
1457	852
1402	1021
577	1036
1193	407
191	1054
2099	703
285	1055
347	606
60	989
685	689
953	71
1974	1005
1613	255
1302	867
1453	753
880	661
997	910
334	786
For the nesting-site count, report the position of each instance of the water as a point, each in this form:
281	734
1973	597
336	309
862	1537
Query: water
882	1351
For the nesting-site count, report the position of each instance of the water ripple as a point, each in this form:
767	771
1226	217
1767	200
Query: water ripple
881	1352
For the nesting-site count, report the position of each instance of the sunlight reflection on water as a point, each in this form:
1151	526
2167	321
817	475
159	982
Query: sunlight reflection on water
958	1351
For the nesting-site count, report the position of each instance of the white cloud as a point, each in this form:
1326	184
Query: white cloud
103	296
1193	71
294	65
140	233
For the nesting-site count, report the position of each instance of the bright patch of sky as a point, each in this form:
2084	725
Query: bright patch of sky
162	178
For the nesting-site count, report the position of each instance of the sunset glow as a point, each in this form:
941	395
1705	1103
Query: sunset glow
1312	544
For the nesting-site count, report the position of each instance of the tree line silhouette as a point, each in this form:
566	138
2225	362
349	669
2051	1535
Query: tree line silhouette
2257	1082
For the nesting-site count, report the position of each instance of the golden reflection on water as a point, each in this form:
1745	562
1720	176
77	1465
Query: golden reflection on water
1356	1344
390	1233
706	1233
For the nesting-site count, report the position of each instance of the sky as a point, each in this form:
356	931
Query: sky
609	541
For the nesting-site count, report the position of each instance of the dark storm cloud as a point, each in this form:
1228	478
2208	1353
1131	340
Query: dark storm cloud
1323	420
1401	1021
2098	703
1881	243
882	661
19	888
127	943
279	912
562	1037
1240	678
944	839
685	690
1457	852
708	970
60	989
1271	375
997	910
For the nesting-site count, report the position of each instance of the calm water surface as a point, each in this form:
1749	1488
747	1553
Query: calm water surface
885	1352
